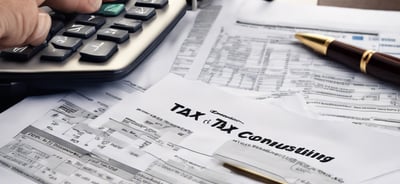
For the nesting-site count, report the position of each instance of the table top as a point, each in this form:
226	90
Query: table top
365	4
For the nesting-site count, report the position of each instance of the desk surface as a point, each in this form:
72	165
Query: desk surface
300	1
365	4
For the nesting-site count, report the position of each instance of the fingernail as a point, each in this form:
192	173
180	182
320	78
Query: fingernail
96	4
42	29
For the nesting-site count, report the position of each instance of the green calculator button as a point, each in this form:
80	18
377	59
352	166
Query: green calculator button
111	9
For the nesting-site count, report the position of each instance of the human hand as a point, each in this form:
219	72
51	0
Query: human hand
22	22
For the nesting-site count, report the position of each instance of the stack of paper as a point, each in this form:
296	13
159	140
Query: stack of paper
302	128
182	131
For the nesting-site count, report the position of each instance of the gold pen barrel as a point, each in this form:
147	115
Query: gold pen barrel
379	65
317	42
336	50
251	174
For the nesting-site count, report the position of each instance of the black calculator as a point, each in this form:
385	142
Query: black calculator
86	48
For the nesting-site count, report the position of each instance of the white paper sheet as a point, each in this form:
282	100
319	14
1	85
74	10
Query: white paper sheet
92	100
352	154
260	54
141	78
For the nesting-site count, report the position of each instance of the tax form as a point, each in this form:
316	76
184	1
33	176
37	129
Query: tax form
252	126
259	53
64	114
203	27
89	104
181	131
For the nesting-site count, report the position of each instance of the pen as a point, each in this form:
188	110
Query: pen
251	174
376	64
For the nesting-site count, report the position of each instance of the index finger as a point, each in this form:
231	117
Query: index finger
39	2
81	6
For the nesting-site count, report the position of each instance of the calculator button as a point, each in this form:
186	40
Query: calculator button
53	54
111	10
66	42
115	35
56	26
141	13
130	25
22	53
91	20
79	30
58	16
152	3
98	51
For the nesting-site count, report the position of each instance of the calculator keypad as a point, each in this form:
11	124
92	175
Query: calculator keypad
101	46
85	26
66	42
111	34
22	53
152	3
51	53
80	31
130	25
91	20
141	13
98	51
111	10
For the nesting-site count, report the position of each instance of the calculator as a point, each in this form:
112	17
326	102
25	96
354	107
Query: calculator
88	48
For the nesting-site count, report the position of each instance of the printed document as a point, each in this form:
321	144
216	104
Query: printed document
181	131
86	104
66	118
259	53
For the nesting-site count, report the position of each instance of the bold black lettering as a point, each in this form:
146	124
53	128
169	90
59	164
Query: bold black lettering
315	154
244	134
273	143
304	152
221	124
230	129
197	115
327	159
298	150
177	106
291	148
184	112
255	138
281	146
310	153
266	140
320	156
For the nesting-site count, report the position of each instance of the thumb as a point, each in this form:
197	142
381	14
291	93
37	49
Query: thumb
41	30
